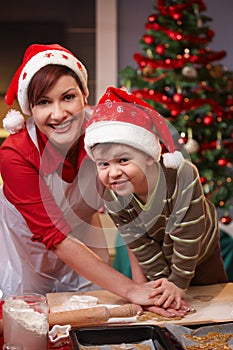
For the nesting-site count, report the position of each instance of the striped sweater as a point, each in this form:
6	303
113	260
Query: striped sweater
175	231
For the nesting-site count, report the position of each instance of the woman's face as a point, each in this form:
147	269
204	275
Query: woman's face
59	114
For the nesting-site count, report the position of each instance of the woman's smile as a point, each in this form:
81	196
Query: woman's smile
63	127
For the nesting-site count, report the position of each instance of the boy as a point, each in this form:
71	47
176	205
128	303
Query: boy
158	205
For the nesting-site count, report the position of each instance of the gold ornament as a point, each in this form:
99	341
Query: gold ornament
147	71
216	71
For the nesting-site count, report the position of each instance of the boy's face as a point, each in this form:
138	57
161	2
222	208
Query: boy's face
123	169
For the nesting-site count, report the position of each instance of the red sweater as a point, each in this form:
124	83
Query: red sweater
22	173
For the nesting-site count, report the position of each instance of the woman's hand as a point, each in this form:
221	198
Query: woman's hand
169	312
82	260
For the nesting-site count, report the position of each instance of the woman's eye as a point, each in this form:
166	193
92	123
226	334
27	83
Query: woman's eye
68	97
42	102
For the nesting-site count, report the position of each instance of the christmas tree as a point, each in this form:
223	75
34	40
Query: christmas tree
177	75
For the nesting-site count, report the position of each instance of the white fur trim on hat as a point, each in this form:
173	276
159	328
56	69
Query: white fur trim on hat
43	59
173	160
123	133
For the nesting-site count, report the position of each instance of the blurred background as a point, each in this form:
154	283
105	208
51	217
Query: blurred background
104	34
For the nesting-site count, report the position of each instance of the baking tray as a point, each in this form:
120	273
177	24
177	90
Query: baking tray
161	338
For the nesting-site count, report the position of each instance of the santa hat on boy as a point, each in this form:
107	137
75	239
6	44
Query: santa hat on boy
121	117
36	57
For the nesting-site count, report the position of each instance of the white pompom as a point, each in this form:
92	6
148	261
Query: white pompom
13	121
173	160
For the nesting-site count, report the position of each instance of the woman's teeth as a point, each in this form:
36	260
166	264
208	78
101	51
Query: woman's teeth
63	125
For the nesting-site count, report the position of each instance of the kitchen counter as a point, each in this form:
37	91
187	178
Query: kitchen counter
213	304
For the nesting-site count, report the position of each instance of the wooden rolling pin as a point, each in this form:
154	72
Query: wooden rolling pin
91	316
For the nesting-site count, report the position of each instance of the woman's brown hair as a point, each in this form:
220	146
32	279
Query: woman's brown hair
45	79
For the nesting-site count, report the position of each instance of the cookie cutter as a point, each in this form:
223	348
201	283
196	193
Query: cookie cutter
59	332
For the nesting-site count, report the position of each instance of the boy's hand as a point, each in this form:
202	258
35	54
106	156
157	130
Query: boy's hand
169	294
154	299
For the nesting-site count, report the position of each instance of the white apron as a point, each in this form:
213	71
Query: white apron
27	266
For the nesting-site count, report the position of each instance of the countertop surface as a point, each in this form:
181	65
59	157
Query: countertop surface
213	304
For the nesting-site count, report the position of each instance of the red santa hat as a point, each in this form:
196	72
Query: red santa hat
121	117
37	56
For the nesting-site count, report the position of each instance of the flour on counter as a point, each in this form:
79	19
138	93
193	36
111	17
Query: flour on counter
77	302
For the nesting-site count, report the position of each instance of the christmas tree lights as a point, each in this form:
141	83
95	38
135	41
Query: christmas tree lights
177	75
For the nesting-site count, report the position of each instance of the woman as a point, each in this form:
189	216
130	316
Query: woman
50	230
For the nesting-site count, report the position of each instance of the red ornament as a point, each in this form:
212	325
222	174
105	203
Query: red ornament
202	51
142	64
208	120
148	39
226	220
171	8
184	140
178	98
230	102
152	18
229	115
222	162
160	49
203	180
177	16
174	112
